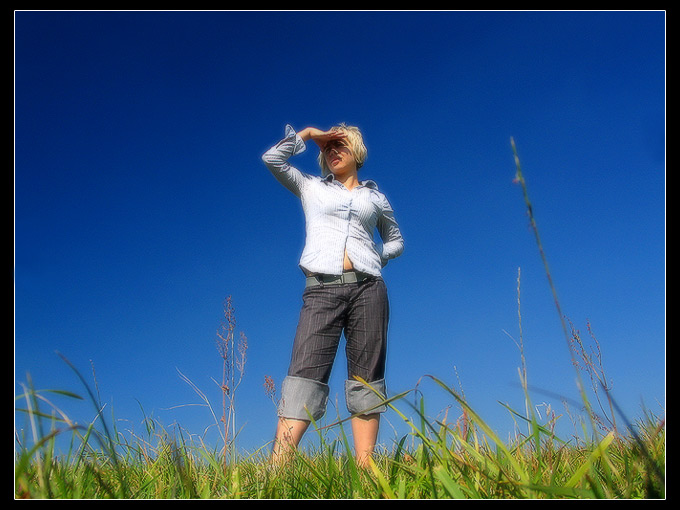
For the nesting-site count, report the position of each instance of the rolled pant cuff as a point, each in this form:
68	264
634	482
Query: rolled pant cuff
362	399
302	399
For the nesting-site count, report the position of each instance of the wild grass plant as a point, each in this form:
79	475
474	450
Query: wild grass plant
436	458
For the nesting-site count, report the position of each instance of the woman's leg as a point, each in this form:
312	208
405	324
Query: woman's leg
366	334
289	432
365	433
304	392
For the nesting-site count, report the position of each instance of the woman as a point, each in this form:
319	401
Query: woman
344	289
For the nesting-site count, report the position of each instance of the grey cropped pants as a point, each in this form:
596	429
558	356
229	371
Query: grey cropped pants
361	311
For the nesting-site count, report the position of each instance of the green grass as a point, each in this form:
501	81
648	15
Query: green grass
435	458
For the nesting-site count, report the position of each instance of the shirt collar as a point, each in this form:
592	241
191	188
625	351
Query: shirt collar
367	183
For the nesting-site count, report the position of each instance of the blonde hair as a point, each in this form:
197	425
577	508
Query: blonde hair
356	145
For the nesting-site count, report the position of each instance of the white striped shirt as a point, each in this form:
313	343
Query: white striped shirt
336	218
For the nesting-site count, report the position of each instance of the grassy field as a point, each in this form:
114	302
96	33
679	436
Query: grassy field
437	458
461	459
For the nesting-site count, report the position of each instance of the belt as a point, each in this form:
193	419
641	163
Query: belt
330	279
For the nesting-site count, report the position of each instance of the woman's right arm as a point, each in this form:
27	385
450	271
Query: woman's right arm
320	137
306	133
276	160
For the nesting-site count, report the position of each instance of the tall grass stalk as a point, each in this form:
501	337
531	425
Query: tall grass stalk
519	178
233	356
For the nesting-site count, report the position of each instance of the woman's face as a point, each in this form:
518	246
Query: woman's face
339	157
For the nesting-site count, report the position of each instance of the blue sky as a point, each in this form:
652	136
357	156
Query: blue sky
141	201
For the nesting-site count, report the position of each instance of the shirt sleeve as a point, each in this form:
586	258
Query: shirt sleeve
393	242
276	160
